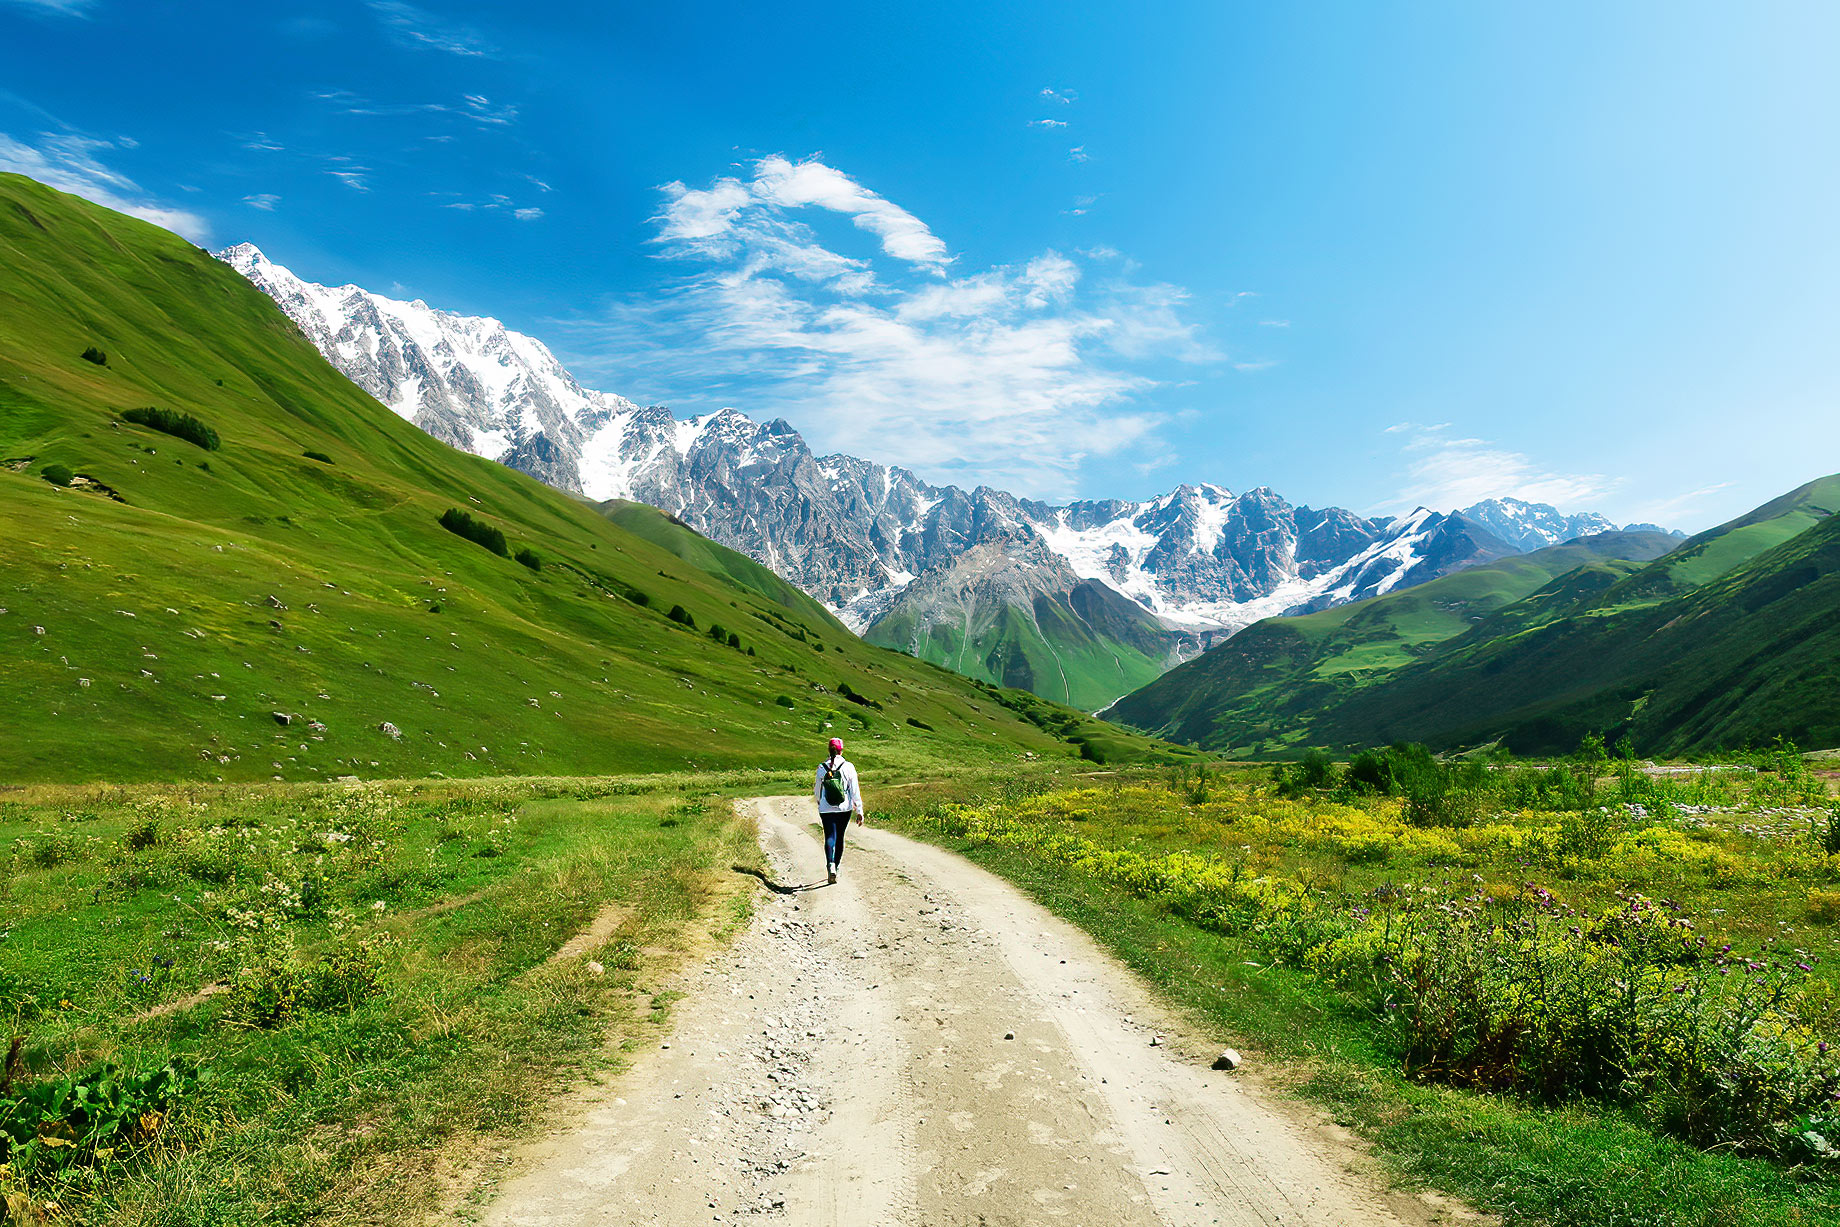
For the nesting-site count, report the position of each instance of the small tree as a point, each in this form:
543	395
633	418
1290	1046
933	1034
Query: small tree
681	616
92	354
734	640
530	558
57	474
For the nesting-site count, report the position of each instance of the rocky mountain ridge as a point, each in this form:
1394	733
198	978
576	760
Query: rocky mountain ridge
1200	561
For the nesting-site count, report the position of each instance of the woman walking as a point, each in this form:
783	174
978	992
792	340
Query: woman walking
839	797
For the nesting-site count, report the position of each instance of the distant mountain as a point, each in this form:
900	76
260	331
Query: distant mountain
1731	637
1198	563
1532	526
280	597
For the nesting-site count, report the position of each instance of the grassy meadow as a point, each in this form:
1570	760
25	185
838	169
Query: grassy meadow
312	1002
1574	992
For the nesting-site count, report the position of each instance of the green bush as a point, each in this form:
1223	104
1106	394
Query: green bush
681	616
274	986
462	524
57	474
92	354
63	1123
734	641
920	724
718	632
530	558
179	425
322	457
784	700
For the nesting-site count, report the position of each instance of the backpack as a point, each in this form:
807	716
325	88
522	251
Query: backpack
834	793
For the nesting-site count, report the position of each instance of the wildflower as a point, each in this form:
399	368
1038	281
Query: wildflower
378	906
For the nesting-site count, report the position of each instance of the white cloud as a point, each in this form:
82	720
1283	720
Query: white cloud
68	162
414	27
1059	95
67	8
1011	376
1444	471
1078	154
529	214
353	178
1274	323
266	201
1047	123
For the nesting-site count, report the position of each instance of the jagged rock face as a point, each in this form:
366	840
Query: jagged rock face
1533	526
1198	561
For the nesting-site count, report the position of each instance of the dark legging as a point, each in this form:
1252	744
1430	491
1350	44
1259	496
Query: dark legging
834	827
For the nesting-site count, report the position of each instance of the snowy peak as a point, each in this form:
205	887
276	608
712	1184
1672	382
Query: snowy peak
1533	526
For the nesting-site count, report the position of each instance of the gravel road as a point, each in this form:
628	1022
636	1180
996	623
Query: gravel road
922	1045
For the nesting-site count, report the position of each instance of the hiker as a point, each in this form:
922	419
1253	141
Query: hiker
838	796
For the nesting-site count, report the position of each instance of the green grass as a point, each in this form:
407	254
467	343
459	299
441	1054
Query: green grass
1530	1161
214	590
1725	641
123	900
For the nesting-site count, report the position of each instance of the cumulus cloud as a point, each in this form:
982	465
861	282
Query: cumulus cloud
1444	470
70	162
1012	375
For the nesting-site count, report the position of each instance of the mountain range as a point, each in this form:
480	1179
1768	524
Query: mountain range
225	561
1081	602
1728	638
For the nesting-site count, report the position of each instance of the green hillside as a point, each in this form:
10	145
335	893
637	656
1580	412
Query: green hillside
1257	691
1014	616
268	607
1734	637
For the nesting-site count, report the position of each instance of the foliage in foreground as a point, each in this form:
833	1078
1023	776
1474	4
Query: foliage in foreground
1661	964
243	1005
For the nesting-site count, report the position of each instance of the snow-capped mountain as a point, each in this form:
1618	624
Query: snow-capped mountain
1199	561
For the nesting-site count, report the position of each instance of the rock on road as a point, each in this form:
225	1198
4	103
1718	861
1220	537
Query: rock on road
849	1061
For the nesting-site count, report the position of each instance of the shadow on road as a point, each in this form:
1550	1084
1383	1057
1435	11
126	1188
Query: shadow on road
778	888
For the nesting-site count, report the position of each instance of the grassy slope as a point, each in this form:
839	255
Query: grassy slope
1050	650
154	606
1262	684
1750	655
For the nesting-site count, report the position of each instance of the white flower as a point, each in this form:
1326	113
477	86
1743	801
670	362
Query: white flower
378	906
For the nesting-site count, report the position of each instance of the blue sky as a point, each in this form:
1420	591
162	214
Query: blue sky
1371	255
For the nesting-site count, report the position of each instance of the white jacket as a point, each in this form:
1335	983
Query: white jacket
852	791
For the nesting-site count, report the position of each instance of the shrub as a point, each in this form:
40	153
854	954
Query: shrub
681	616
530	558
63	1123
462	524
784	700
179	425
274	986
718	632
920	724
57	474
92	354
322	457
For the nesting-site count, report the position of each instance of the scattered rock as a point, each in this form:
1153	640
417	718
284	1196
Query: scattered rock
38	630
390	730
596	969
1228	1059
282	717
1009	1035
274	602
1156	1041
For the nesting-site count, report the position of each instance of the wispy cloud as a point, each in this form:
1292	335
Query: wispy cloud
475	107
70	162
1047	123
495	203
1078	154
266	201
1274	323
65	8
418	28
1012	375
352	177
1686	507
1063	96
1444	470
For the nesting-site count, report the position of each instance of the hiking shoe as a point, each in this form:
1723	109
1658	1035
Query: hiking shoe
833	875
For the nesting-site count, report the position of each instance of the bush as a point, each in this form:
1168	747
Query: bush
92	354
69	1122
681	616
718	632
322	457
530	558
462	524
57	474
179	425
274	987
919	724
784	700
734	641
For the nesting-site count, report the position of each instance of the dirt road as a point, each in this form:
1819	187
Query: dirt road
919	1044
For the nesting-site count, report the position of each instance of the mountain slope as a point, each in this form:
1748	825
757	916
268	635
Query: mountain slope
1258	691
289	604
1729	637
1200	559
